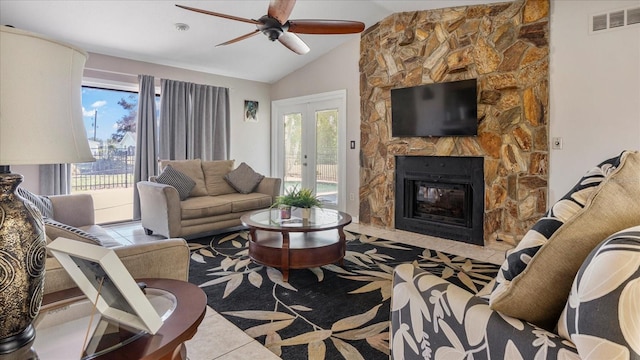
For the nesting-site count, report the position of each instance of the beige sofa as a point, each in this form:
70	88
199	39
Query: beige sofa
212	205
166	259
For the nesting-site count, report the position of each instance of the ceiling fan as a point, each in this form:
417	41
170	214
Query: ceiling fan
277	26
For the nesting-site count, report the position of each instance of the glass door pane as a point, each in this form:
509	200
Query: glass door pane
293	160
326	156
307	142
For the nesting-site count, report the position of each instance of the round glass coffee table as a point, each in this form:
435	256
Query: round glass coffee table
295	243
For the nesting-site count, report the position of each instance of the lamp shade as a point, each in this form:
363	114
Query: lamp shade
40	100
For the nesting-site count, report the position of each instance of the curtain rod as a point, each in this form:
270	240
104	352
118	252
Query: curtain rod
156	79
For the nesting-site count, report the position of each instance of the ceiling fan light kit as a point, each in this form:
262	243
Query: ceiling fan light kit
277	26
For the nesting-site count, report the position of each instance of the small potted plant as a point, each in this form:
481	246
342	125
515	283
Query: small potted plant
299	198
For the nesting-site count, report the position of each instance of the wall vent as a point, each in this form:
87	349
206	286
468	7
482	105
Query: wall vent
633	16
614	19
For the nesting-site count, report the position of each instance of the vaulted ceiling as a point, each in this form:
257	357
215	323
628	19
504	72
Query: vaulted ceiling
146	30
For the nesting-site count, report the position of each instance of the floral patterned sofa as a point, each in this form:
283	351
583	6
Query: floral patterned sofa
569	290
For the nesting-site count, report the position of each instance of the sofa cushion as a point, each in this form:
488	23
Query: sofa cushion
191	168
214	173
244	179
204	206
538	293
178	180
54	230
603	311
247	202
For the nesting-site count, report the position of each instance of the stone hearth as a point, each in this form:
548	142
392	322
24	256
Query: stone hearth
505	46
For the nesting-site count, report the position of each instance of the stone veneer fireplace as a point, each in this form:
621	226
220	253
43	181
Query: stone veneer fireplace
441	196
505	47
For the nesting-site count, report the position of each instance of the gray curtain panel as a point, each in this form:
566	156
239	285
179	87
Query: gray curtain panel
55	179
174	119
194	121
146	163
211	122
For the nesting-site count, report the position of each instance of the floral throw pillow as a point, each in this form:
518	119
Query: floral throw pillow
602	316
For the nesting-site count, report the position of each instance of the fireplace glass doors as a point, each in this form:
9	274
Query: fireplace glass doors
448	203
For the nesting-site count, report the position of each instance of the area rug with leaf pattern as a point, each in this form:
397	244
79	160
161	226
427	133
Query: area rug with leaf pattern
331	312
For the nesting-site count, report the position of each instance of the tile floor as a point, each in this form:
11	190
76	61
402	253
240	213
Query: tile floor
219	339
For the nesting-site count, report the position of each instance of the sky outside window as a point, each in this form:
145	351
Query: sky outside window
105	102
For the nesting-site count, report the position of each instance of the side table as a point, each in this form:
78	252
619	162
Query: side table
183	315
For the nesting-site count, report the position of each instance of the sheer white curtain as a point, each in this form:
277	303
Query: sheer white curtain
194	121
146	163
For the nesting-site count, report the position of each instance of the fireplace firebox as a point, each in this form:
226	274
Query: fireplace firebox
441	196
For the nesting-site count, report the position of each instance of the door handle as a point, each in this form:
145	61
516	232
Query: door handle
305	164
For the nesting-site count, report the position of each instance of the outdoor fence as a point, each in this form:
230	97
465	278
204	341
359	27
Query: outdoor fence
112	169
326	166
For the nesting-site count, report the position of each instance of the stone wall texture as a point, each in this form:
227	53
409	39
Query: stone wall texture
505	46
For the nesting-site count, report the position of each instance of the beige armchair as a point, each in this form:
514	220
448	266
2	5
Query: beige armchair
168	259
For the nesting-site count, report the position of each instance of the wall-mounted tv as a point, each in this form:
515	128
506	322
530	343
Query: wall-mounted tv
440	109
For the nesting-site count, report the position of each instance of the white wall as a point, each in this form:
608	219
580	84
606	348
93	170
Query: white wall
336	70
594	89
250	141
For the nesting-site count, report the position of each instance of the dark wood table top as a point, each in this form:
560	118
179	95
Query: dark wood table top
179	327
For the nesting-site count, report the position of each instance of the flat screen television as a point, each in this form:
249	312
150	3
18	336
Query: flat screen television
441	109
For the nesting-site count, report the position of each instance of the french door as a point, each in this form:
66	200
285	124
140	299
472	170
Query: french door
309	146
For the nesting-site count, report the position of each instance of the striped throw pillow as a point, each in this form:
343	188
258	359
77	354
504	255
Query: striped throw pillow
55	229
41	203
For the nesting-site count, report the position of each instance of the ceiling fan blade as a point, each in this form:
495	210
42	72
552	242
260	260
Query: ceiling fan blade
325	26
245	36
294	43
231	17
281	9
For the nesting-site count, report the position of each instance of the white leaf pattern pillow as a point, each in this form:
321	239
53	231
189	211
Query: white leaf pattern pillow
603	311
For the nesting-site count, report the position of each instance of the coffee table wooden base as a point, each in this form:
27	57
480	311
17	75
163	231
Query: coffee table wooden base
296	250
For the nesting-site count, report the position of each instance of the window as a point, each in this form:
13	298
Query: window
110	120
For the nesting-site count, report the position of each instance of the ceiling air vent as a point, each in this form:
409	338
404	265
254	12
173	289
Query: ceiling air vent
599	22
633	16
614	19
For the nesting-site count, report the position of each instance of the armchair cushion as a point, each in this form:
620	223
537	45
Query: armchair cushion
432	318
244	179
602	316
178	180
558	215
538	293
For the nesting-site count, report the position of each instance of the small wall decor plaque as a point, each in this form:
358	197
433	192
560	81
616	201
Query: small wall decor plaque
250	111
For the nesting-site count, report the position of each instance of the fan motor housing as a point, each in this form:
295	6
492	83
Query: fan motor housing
270	27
